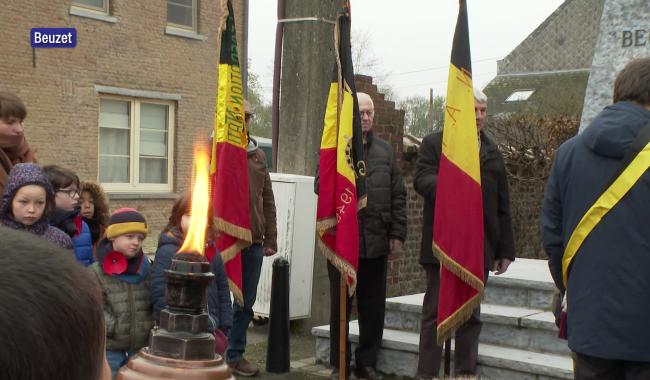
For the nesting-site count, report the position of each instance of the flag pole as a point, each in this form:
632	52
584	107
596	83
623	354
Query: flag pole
447	369
343	298
343	292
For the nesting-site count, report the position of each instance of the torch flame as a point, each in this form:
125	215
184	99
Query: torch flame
195	238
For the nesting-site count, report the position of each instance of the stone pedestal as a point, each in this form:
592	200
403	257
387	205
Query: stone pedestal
624	35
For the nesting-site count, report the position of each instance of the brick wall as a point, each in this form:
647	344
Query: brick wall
565	40
58	85
405	275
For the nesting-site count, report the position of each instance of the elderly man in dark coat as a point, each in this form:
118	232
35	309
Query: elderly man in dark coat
499	243
382	230
607	274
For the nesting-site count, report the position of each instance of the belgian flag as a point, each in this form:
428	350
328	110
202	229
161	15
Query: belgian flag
458	214
341	190
229	165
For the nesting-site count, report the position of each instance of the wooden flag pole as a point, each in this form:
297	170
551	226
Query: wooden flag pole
447	369
343	303
343	324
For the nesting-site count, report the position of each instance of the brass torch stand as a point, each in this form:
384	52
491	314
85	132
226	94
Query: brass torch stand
180	348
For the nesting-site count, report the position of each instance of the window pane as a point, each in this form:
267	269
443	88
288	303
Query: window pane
153	116
90	3
114	114
113	169
180	12
113	141
153	144
153	170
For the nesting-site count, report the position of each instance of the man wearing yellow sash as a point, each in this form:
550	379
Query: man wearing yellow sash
596	232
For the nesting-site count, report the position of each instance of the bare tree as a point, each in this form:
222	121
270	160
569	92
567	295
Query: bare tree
419	119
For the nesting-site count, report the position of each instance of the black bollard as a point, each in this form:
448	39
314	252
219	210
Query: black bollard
277	352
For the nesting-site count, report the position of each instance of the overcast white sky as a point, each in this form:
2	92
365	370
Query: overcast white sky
414	48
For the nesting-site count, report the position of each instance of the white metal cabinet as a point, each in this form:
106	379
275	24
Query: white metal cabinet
295	204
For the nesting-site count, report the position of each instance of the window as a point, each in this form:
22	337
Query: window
519	96
182	14
94	5
135	147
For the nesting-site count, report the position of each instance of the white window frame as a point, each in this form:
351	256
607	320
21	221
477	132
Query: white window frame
195	16
520	95
134	185
103	10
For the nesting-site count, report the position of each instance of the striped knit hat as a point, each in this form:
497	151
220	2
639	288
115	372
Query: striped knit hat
126	221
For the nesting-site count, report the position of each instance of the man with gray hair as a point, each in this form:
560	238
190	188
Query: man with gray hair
499	243
382	230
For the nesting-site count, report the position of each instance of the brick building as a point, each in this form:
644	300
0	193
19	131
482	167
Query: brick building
547	73
125	105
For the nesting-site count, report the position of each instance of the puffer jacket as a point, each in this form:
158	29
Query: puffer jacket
219	303
128	312
384	216
83	245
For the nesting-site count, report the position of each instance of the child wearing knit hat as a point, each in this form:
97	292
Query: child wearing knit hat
123	271
28	202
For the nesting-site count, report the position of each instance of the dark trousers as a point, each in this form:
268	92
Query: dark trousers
371	304
430	354
592	368
251	261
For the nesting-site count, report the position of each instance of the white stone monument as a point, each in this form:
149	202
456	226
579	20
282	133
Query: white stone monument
624	35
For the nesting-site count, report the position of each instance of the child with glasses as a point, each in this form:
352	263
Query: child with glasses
28	201
66	215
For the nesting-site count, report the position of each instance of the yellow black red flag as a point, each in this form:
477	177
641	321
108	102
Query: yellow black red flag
341	166
229	163
458	214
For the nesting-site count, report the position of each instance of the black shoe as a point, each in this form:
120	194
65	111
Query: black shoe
368	373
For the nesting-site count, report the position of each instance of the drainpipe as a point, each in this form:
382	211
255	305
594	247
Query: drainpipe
277	67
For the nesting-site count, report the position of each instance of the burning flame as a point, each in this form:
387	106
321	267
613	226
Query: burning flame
195	238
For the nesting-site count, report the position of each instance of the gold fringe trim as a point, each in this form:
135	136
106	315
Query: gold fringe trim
236	293
454	321
230	252
339	263
325	224
223	20
238	232
457	269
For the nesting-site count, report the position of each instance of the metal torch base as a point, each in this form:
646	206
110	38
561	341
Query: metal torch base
145	366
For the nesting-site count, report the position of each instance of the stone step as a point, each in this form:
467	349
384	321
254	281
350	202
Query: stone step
527	283
525	328
399	355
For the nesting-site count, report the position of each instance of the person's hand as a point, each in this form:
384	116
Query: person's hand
268	251
501	265
395	246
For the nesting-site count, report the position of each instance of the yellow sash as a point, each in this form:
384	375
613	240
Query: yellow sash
614	193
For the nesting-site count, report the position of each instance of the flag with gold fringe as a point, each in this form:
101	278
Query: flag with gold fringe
229	165
458	214
341	191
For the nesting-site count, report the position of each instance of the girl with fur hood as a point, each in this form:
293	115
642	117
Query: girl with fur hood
28	202
94	210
